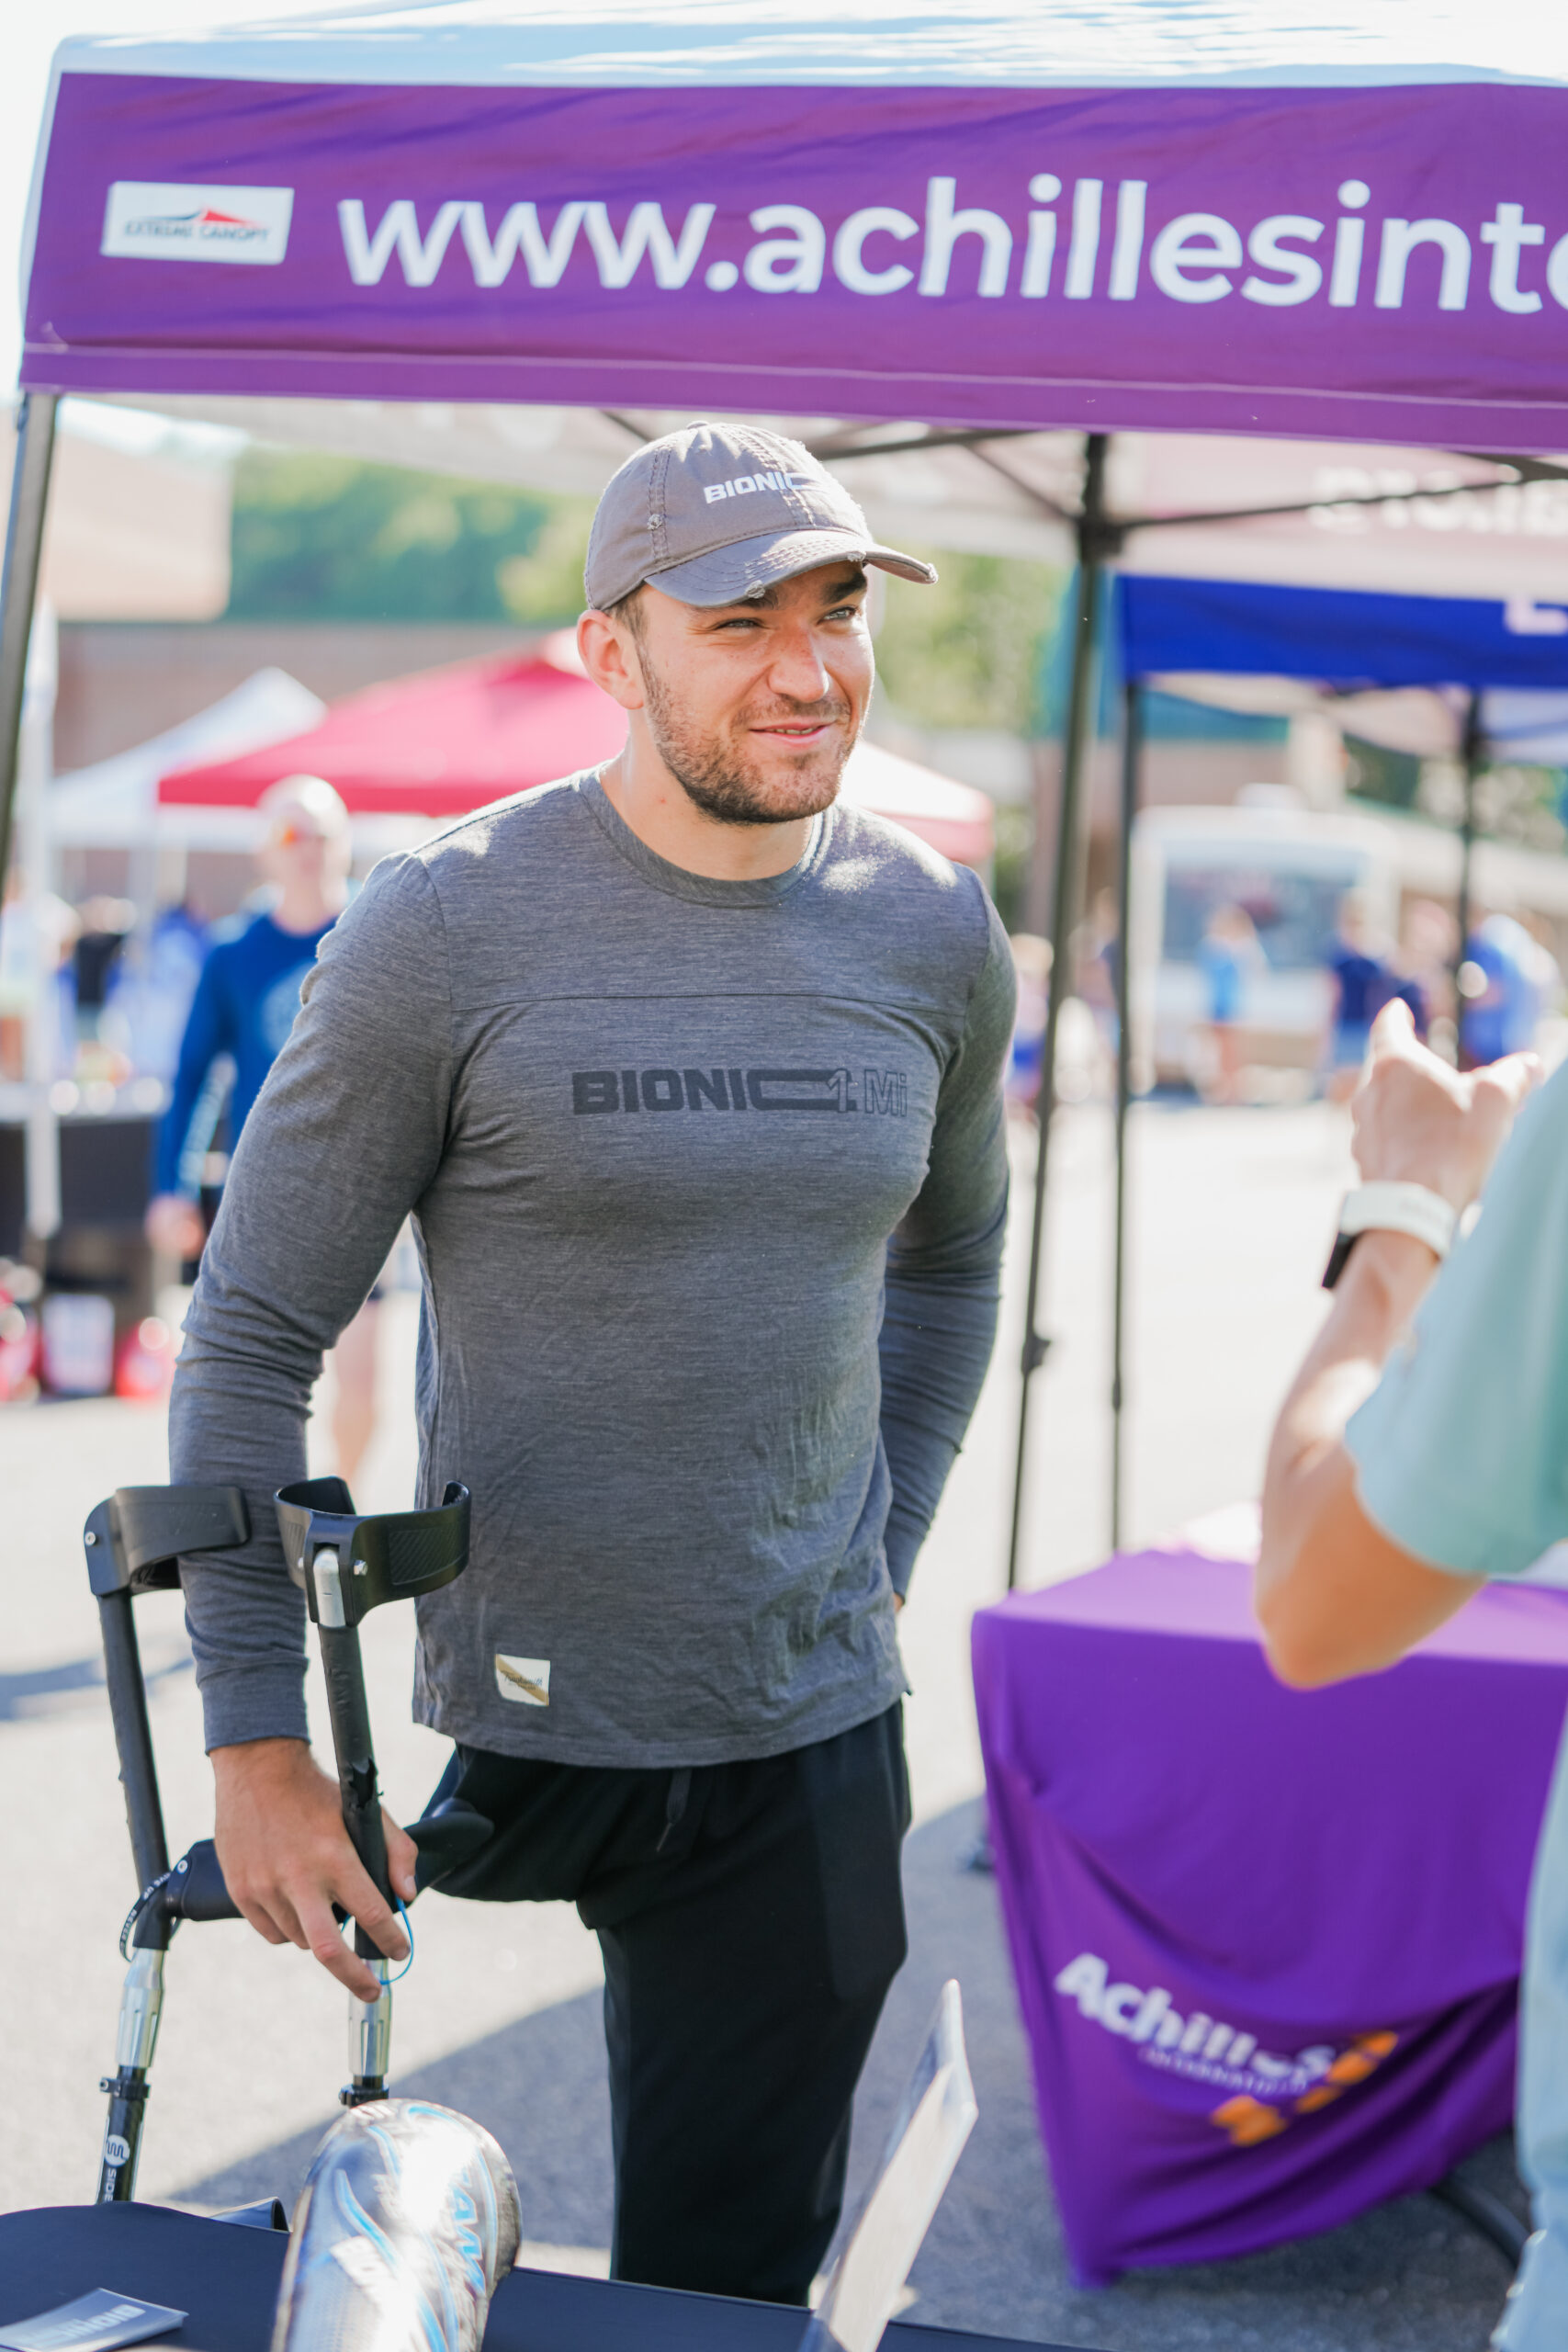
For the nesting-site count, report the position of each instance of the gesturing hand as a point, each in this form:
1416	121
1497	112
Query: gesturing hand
1418	1122
286	1858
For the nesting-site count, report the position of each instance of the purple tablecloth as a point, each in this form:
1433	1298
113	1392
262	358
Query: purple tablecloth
1265	1941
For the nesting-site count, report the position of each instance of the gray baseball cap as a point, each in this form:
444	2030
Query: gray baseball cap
716	513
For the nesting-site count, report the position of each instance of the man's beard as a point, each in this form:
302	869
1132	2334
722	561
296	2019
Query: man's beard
726	780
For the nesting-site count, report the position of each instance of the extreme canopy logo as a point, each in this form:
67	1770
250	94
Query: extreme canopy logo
170	221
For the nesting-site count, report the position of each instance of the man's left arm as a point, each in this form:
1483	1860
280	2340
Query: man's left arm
1417	1455
944	1265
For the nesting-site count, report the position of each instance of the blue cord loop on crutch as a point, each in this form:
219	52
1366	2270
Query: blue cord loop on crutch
408	1930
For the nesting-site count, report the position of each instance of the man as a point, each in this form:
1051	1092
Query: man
1230	957
243	1007
691	1079
1388	1501
1362	984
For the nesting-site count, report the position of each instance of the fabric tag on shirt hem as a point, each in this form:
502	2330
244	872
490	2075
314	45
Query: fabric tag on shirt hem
524	1681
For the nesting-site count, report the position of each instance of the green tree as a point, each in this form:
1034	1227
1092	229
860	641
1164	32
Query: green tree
319	537
970	651
324	538
544	588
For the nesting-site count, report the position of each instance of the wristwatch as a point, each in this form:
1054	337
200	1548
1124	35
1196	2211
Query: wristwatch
1391	1208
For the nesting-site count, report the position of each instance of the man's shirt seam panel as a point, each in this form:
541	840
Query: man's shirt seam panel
692	996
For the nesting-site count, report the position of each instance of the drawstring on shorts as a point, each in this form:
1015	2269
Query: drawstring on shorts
675	1804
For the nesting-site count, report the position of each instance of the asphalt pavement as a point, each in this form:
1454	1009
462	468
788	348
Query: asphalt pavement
500	2016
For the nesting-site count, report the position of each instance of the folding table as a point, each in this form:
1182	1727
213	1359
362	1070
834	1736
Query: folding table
1267	1942
226	2278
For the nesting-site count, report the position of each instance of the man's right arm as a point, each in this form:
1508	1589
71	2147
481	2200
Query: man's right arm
943	1277
345	1137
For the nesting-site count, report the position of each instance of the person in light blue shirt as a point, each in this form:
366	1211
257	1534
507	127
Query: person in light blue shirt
1229	957
1421	1452
1362	984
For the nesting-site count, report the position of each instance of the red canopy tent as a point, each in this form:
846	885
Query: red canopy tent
433	745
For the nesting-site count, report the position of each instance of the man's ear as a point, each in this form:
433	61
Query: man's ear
610	657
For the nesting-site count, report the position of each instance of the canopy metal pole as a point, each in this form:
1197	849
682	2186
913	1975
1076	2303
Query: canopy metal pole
19	588
1096	540
1132	777
1472	753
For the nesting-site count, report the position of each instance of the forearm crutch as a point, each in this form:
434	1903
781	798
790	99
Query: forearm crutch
347	1564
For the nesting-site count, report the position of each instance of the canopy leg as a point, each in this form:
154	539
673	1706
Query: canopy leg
1485	2212
18	587
1132	777
1096	540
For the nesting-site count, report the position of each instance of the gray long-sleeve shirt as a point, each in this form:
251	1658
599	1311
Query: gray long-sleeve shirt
708	1179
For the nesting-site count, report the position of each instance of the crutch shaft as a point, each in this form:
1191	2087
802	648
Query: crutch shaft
350	1718
133	1737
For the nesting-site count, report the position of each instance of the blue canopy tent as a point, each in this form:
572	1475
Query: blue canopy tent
1340	637
1502	664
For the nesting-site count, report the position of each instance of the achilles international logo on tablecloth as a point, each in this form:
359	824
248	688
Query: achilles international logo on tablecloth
1266	2090
171	220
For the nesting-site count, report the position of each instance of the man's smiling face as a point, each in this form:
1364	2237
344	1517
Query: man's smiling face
755	707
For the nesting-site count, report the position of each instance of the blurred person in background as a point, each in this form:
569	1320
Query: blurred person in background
1421	1452
106	926
243	1007
1508	981
152	989
1229	957
1032	963
1363	983
1424	968
36	932
1100	969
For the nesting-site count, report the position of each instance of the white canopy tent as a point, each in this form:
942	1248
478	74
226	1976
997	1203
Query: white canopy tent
114	803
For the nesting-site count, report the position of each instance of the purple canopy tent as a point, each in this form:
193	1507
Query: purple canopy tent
986	219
